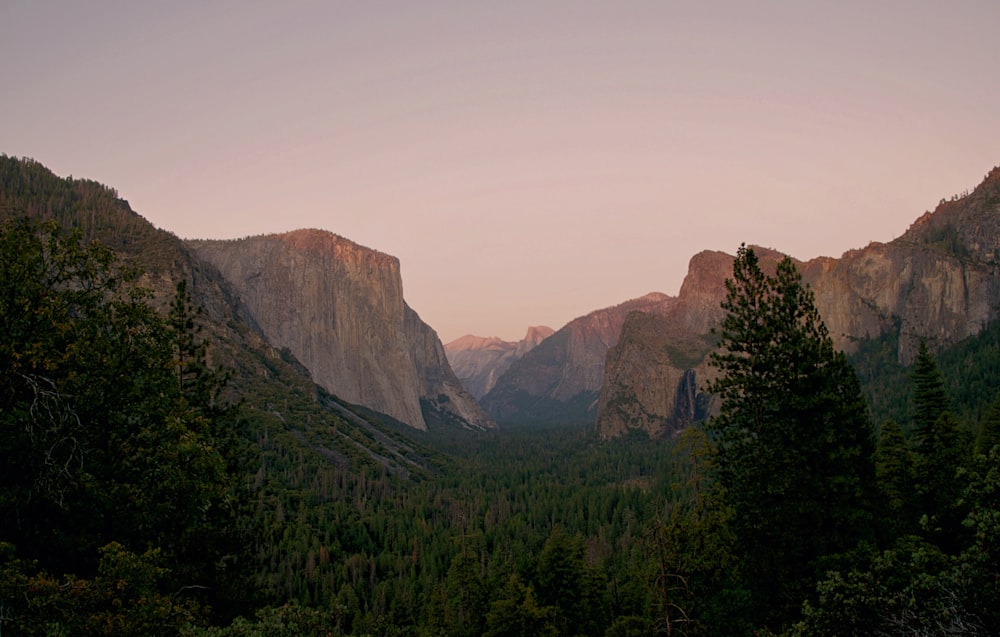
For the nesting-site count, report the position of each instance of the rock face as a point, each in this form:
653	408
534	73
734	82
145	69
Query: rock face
560	379
651	377
479	361
338	308
940	282
443	398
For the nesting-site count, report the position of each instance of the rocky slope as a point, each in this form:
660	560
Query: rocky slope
940	282
559	380
338	308
282	409
479	361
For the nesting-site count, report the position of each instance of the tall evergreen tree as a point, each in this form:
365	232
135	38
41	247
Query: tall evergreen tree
97	443
793	437
989	429
929	397
942	454
565	581
894	475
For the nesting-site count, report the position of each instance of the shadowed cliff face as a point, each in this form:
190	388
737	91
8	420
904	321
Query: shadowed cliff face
442	396
559	380
338	308
652	375
940	281
479	361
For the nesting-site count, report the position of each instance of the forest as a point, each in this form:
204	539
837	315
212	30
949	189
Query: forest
146	488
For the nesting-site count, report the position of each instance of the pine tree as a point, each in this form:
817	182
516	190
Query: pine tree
894	475
96	442
929	398
793	437
989	429
942	454
197	383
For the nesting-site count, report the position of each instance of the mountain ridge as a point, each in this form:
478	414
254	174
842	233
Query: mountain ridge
478	361
939	281
560	379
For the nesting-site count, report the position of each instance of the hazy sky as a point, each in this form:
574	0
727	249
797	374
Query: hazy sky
528	162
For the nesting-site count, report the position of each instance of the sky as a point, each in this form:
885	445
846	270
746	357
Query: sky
527	162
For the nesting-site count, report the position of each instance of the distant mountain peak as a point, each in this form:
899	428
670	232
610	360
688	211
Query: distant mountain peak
478	361
471	342
538	333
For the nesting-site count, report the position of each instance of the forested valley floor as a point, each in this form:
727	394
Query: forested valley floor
146	491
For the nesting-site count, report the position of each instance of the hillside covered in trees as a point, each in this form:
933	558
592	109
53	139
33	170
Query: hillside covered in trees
163	472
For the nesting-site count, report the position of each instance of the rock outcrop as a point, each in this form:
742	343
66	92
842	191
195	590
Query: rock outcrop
560	379
443	398
338	308
940	281
479	361
652	376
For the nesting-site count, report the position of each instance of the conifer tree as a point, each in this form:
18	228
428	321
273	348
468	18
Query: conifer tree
793	437
96	443
894	475
989	429
941	454
929	397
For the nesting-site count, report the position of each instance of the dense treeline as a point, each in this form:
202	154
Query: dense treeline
158	509
144	489
114	454
791	516
970	370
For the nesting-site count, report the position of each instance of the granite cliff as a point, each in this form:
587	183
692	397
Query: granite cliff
560	379
479	361
282	408
939	281
651	379
338	308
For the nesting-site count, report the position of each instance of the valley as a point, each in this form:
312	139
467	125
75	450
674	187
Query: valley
304	459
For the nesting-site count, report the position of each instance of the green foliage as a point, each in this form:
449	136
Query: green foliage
93	211
969	369
929	398
288	620
125	597
198	384
565	581
794	442
516	613
989	429
99	444
163	510
938	576
467	597
894	475
691	550
911	589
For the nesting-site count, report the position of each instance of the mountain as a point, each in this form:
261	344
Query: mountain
338	308
939	281
560	379
266	374
652	374
479	361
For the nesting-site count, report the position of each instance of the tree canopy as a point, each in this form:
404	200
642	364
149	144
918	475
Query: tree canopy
99	442
794	443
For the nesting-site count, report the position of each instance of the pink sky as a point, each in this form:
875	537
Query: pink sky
528	162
